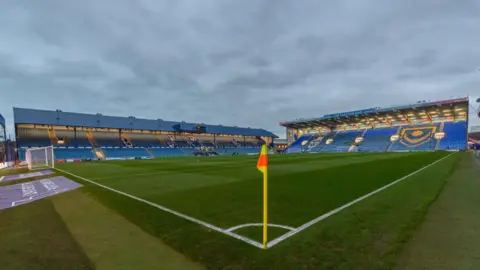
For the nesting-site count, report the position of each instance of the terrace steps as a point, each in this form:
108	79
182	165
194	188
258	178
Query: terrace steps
437	145
91	138
98	152
149	151
126	139
53	137
399	130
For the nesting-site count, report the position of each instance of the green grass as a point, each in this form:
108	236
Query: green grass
449	237
34	236
227	191
110	241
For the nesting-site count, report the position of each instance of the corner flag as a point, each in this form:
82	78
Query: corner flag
262	165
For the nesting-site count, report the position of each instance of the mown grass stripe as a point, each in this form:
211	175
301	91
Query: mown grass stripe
205	224
334	211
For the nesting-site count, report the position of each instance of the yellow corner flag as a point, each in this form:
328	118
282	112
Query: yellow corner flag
262	166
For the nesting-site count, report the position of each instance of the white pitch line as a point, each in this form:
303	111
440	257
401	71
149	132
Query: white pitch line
326	215
1	178
258	225
194	220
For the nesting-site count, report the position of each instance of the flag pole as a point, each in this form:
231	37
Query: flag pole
262	165
265	208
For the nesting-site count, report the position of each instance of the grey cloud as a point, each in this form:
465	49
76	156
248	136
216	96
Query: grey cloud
424	59
249	63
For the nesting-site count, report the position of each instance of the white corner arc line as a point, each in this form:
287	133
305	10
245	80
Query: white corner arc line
231	229
194	220
334	211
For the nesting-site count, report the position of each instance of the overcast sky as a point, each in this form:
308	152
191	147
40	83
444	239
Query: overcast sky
247	63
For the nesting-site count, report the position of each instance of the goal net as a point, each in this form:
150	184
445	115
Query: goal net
40	157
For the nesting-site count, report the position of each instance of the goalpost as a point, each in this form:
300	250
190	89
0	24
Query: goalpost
40	157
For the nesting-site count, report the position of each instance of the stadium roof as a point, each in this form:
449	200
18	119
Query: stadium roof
379	114
2	121
60	118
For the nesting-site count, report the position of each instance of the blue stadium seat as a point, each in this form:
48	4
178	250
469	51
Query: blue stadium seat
377	140
317	148
455	136
125	152
300	144
73	153
165	152
342	141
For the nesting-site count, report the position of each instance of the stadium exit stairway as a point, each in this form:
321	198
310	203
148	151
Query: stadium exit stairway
91	139
98	152
399	131
437	145
127	141
149	151
53	137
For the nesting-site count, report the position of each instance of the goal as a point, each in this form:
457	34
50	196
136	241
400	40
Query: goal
40	157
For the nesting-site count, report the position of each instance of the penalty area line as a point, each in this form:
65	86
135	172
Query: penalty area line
168	210
334	211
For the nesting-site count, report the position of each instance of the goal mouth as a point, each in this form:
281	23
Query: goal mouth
40	157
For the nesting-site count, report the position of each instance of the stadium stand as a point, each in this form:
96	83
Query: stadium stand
73	153
81	139
342	141
377	139
65	137
90	136
455	136
166	152
226	142
300	144
125	152
319	146
33	137
145	140
106	139
423	126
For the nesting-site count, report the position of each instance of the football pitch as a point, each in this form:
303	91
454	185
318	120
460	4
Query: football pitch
211	208
341	210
